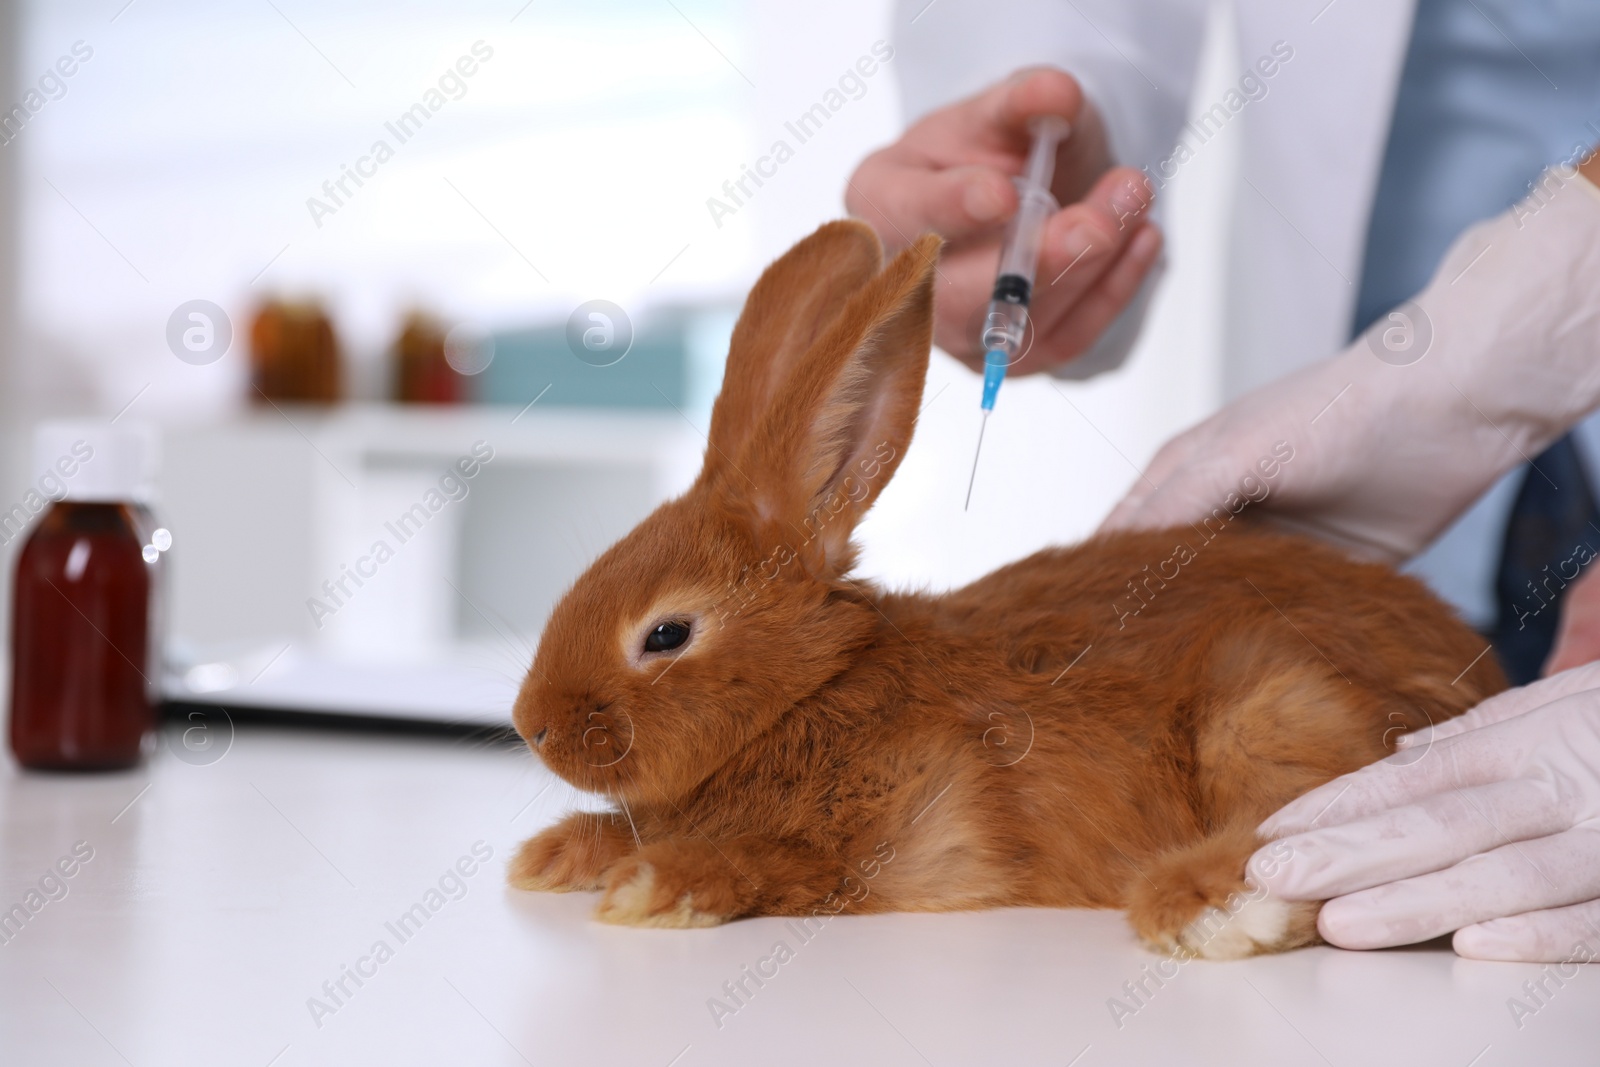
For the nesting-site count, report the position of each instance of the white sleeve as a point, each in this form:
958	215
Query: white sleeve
1135	59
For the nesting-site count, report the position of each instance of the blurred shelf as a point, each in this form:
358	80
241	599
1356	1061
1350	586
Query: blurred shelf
351	537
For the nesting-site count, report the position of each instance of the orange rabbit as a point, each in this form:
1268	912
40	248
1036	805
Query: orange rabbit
783	739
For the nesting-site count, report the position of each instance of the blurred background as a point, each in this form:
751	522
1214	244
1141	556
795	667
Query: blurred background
369	317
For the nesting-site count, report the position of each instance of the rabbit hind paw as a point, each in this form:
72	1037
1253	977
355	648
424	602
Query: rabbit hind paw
1195	902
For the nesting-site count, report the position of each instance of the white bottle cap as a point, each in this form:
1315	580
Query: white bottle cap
94	461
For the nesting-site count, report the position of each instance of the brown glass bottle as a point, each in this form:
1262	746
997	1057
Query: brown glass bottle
423	374
294	355
80	638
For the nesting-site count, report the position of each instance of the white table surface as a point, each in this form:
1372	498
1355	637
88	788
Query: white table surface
220	897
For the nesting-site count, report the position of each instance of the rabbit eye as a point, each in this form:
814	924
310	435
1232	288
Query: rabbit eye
666	637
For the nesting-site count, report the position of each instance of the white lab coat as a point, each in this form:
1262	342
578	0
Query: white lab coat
1310	152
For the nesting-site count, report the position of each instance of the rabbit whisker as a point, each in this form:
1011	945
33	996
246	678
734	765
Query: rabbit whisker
636	842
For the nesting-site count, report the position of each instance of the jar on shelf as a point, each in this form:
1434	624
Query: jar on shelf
294	355
423	373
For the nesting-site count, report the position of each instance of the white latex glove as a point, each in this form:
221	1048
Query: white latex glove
1387	452
1488	825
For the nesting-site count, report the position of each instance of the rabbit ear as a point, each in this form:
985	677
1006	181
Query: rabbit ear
839	423
793	302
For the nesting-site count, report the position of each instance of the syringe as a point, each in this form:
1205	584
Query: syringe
1007	319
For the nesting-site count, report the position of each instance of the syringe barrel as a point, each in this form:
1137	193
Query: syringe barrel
1048	133
1019	255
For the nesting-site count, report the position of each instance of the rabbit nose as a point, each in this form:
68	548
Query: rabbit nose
538	738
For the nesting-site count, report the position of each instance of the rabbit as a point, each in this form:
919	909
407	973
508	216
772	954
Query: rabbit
779	738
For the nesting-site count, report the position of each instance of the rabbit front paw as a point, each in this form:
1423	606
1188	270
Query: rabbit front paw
572	855
677	884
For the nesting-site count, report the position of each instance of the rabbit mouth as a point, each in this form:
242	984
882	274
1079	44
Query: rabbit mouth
590	753
602	745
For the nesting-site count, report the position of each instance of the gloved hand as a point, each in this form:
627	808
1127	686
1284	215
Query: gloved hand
1395	436
1488	825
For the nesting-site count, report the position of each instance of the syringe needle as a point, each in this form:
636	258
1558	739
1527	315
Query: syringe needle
975	454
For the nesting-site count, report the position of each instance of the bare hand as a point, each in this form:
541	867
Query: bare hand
951	173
